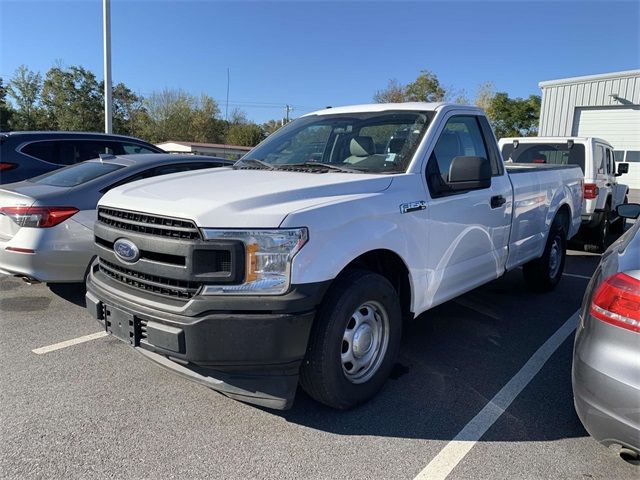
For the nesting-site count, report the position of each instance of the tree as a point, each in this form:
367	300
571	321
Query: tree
169	113
246	135
425	88
513	117
205	126
72	99
271	126
25	88
484	95
128	111
6	111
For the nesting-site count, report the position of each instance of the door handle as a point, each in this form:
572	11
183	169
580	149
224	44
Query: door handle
497	201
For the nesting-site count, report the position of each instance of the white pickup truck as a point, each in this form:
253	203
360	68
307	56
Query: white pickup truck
594	156
300	263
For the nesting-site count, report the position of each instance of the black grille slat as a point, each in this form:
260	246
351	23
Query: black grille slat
150	283
148	224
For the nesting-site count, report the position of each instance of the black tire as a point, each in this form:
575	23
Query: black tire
323	375
619	225
543	274
601	232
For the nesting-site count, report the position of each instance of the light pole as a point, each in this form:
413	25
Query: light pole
106	30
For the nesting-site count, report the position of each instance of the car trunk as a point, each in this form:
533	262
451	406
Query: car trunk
11	198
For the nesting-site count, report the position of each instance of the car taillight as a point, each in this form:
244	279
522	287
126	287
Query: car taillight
617	301
590	191
7	166
38	217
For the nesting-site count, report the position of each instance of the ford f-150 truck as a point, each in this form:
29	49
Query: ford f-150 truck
301	262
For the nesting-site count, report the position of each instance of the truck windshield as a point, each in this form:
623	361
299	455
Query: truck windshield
378	142
545	153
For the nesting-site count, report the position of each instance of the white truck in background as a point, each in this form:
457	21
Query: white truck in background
594	156
300	263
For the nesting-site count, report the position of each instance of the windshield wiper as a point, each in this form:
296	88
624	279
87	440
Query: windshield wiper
253	163
319	166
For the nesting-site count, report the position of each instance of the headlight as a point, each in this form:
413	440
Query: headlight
268	255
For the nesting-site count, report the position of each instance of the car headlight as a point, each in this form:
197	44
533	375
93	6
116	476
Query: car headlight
268	255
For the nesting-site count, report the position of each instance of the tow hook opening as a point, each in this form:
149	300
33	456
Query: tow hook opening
630	456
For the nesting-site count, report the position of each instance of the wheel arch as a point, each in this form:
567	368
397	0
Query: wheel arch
391	266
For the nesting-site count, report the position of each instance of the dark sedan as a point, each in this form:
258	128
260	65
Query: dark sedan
27	154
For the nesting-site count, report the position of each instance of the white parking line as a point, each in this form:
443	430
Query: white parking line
69	343
443	463
575	275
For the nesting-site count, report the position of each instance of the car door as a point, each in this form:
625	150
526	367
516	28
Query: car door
602	175
469	230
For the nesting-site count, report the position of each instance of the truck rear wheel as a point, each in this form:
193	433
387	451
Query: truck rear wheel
544	273
354	341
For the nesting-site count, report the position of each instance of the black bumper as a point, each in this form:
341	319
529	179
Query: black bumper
249	355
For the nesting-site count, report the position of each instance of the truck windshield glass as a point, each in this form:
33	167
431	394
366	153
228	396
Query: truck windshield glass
549	153
379	142
77	174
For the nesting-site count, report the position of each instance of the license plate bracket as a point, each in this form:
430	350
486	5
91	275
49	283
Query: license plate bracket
120	324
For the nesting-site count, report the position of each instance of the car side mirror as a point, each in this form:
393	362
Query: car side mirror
622	169
469	173
629	210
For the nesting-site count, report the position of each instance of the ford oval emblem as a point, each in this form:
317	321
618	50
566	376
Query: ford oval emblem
126	250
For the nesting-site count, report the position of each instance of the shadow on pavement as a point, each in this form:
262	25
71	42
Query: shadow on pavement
71	292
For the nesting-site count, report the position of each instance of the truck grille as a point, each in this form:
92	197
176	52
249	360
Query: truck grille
149	283
148	224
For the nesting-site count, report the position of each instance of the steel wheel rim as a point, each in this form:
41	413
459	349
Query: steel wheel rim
364	342
555	258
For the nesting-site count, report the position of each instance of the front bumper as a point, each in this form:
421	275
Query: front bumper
251	354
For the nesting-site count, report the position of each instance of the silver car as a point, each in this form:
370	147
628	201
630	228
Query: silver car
46	223
606	355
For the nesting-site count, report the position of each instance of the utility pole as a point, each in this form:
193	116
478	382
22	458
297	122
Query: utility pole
106	31
287	109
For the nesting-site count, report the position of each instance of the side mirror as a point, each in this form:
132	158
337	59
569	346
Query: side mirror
469	173
622	169
629	210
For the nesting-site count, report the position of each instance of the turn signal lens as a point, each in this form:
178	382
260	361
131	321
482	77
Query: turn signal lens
617	302
38	217
590	191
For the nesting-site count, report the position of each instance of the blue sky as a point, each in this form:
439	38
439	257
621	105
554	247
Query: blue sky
313	54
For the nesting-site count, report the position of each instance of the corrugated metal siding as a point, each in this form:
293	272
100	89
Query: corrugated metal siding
560	99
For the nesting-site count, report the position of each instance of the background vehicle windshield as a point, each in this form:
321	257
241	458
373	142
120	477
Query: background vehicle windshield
381	142
76	174
550	153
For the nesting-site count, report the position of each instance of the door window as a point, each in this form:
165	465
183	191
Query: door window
46	151
599	159
130	148
610	168
461	137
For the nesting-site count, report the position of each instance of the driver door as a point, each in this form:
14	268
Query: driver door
468	230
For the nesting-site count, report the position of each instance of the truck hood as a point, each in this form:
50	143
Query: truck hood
227	198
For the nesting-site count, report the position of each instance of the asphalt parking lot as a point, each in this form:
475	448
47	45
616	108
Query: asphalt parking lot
98	409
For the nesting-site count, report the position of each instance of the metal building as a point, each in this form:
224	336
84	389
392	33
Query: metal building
605	106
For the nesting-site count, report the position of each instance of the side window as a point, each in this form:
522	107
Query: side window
461	137
88	149
610	168
633	156
599	159
47	151
132	148
618	155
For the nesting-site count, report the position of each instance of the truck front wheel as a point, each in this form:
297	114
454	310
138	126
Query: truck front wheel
354	340
544	273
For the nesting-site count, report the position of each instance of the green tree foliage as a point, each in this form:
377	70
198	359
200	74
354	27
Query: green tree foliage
6	111
425	88
129	114
513	117
72	99
245	134
271	126
24	89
